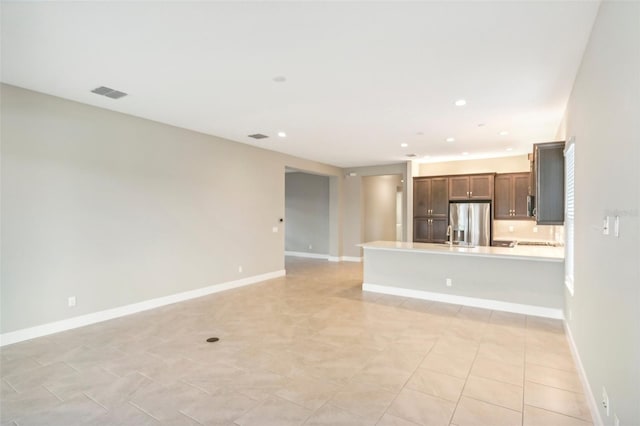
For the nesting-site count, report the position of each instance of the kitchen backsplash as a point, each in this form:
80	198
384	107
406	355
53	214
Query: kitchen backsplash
527	230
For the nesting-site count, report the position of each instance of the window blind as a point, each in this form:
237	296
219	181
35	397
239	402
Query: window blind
569	158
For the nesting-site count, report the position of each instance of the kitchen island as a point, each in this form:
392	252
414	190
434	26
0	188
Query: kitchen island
527	280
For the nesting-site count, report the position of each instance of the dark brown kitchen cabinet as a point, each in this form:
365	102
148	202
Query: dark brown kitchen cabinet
426	230
430	197
549	171
430	209
510	196
471	187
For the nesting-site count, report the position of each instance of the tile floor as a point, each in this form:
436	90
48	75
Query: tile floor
311	349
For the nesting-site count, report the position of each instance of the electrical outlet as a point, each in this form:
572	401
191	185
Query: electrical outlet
605	226
240	268
310	247
449	282
71	301
274	229
605	401
511	229
535	229
616	226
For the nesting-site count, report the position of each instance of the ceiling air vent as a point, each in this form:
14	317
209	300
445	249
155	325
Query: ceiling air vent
412	155
108	92
258	136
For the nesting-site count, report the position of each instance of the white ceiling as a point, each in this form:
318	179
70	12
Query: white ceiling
361	77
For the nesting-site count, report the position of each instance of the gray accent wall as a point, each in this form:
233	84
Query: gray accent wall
115	209
603	115
306	213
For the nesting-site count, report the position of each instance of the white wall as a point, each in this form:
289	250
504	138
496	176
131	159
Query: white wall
306	213
115	209
513	164
603	115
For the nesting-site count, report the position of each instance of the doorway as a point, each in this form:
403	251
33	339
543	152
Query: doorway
382	207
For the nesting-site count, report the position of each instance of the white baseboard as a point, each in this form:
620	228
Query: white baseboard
92	318
496	305
594	407
323	256
309	255
344	259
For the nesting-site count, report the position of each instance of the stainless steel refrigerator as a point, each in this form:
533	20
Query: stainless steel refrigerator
470	224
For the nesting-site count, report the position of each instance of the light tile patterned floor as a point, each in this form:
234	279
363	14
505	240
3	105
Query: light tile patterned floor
310	348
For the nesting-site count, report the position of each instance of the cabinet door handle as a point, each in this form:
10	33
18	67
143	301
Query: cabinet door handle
470	193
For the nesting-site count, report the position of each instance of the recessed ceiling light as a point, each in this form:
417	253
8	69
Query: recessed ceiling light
504	133
282	134
280	79
412	155
461	102
509	149
451	139
404	145
480	124
465	153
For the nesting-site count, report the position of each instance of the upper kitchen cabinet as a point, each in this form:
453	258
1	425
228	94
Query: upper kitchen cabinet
549	177
510	196
471	187
430	209
430	197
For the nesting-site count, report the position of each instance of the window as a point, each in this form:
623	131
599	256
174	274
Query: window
569	231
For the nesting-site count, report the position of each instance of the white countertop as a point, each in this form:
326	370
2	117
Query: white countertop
539	253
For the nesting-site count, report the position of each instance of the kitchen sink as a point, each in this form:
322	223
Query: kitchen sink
499	243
